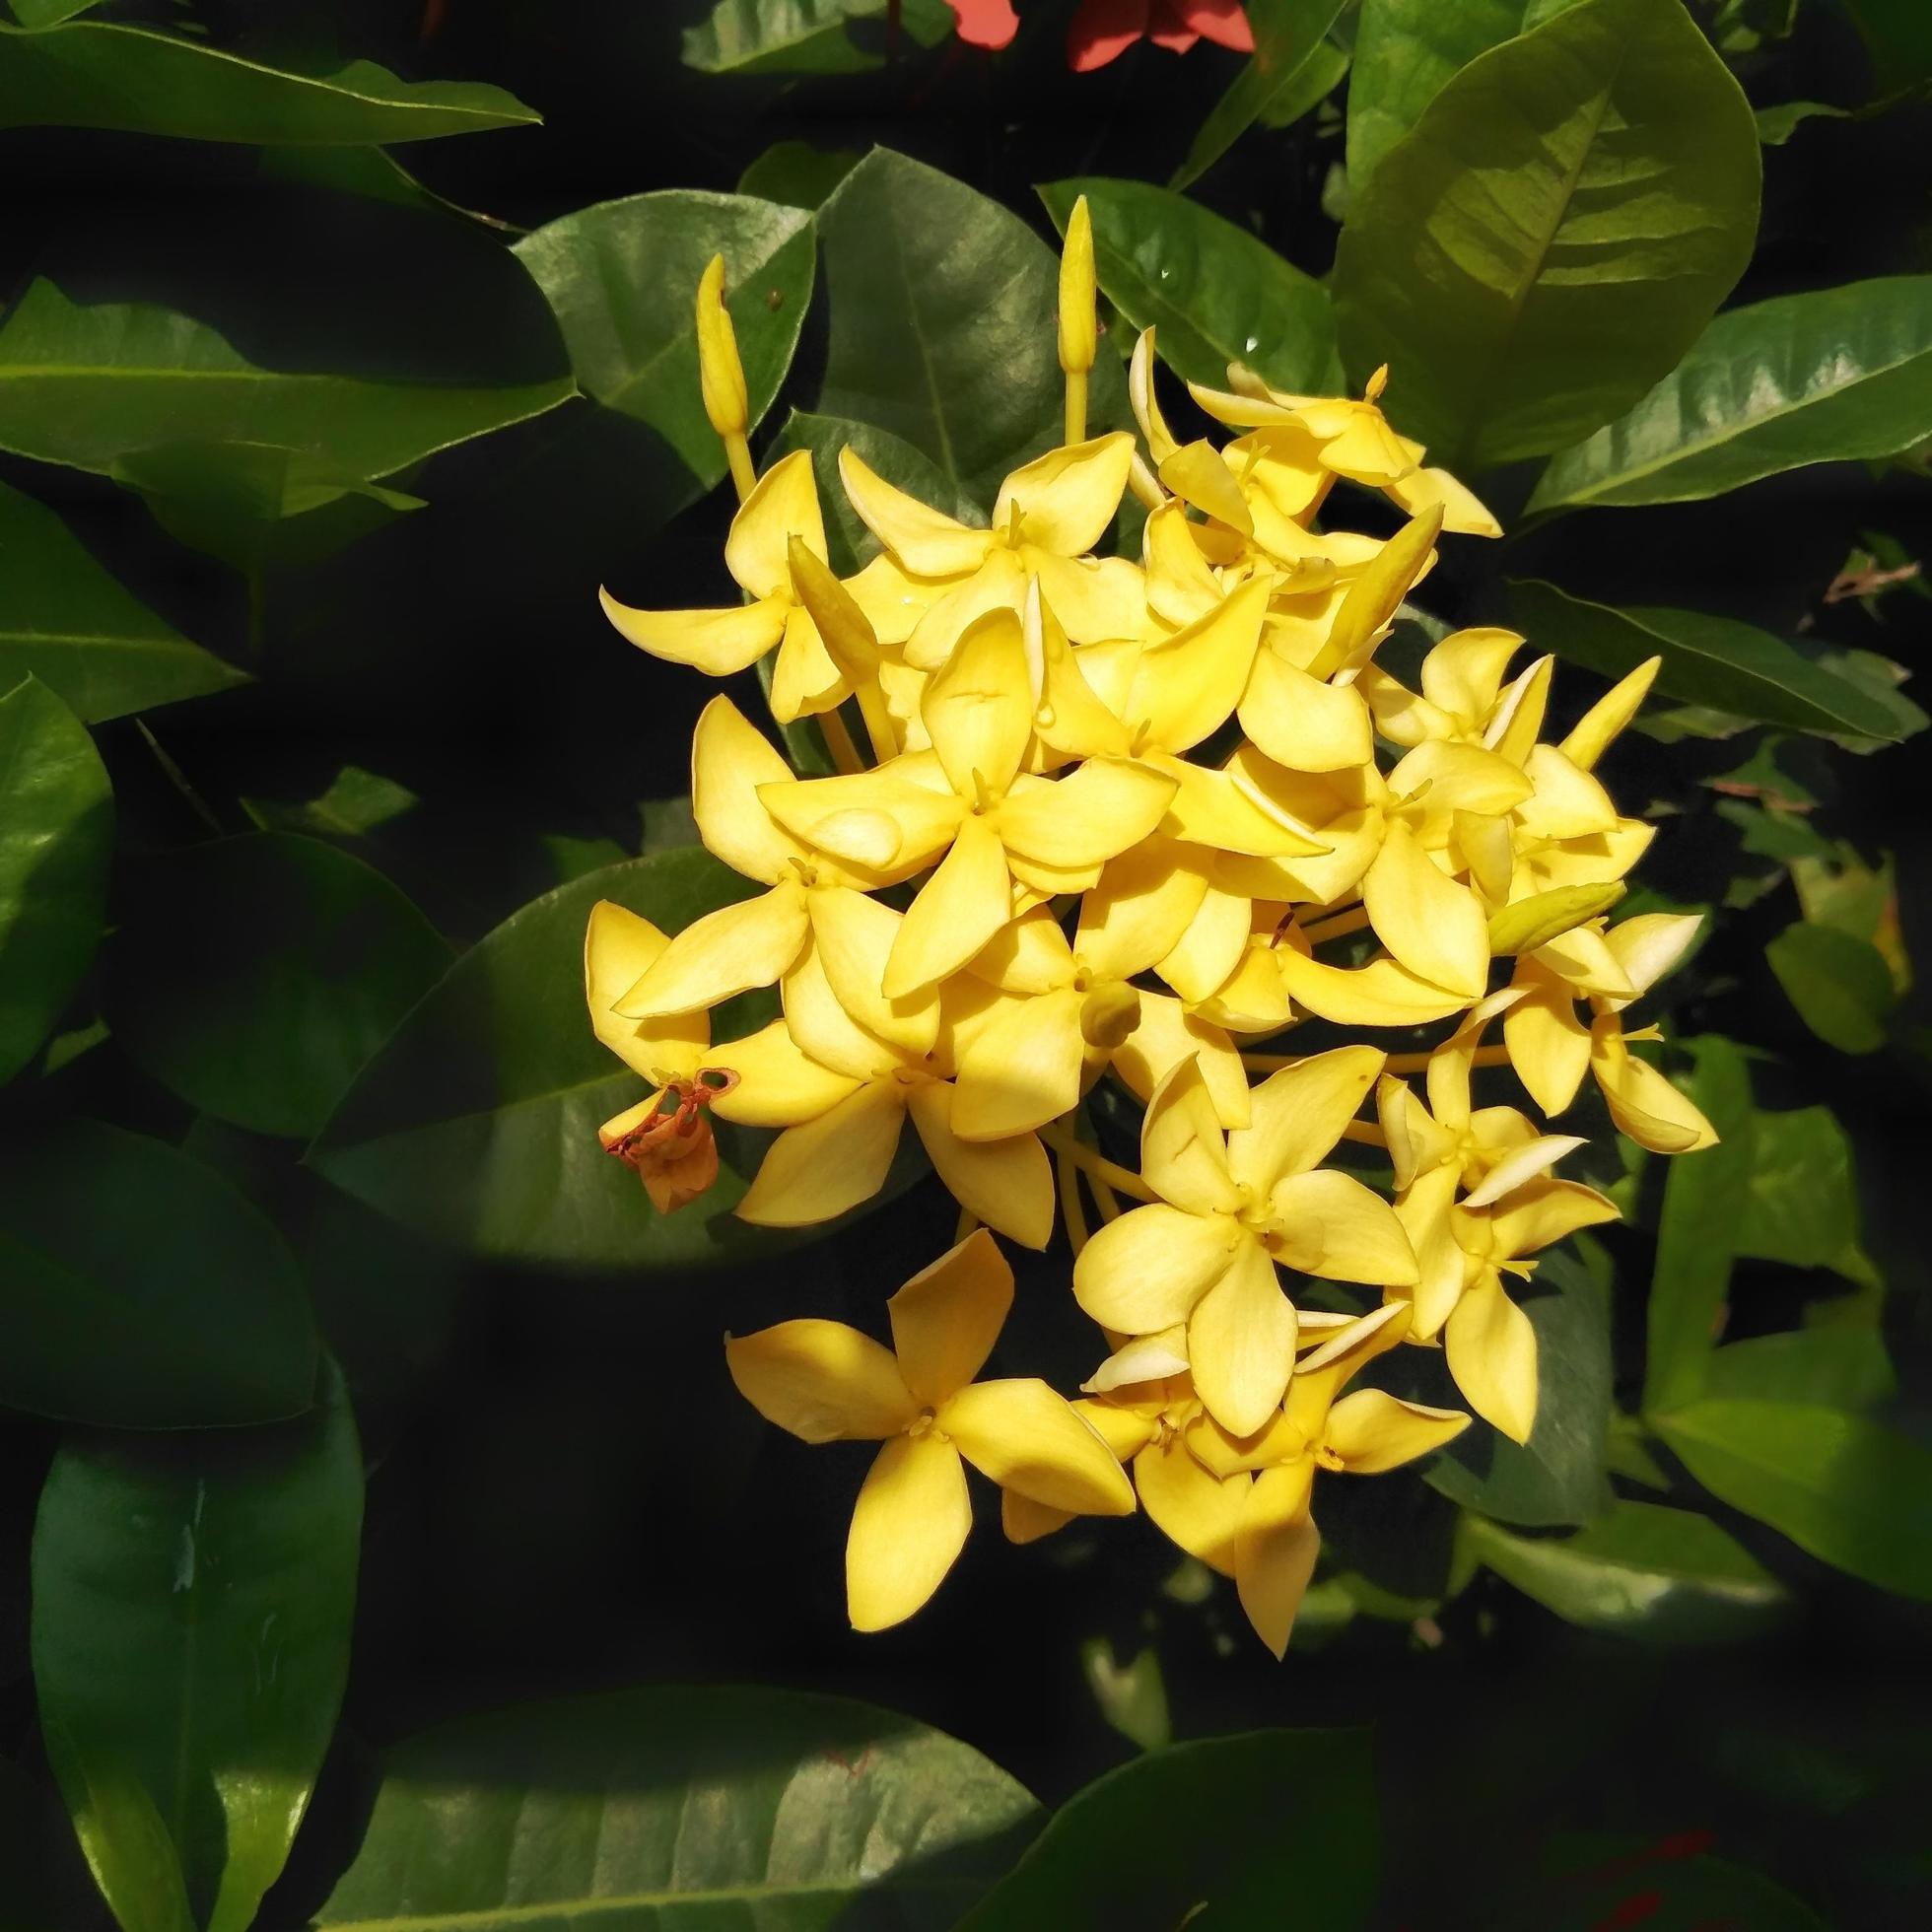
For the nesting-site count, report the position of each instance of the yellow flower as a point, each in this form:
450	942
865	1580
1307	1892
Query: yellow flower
825	1382
1228	1208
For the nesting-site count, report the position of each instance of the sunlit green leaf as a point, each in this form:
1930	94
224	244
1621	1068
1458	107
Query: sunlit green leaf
806	36
1215	293
1287	38
1553	233
1831	1367
192	1599
796	173
1803	1193
668	1806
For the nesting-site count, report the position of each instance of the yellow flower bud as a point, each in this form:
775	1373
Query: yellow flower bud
719	371
1077	294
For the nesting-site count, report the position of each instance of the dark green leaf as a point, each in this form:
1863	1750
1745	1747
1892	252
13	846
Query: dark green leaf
1554	231
192	1599
682	1809
1287	36
65	621
798	174
1591	1884
1776	125
1854	1492
91	73
943	320
1559	1476
1716	662
1405	51
1143	1848
1827	1368
354	803
1705	1201
1804	1195
1215	293
1829	375
623	278
254	976
104	1233
806	36
1898	33
1839	983
1659	1575
1315	80
56	838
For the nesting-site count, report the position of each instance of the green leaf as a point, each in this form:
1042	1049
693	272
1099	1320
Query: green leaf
681	1807
1560	1476
1315	80
942	324
108	1233
192	1600
1898	36
1854	1492
1839	982
1215	294
622	278
1827	1368
1705	1201
1716	662
1289	35
476	1123
1804	1195
354	803
805	37
1776	125
1593	1882
254	976
1830	376
91	73
1405	51
1644	1572
56	840
66	621
1133	1696
1554	231
798	174
1148	1844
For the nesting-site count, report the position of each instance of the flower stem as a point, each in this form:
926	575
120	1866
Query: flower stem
1096	1166
1332	928
1419	1063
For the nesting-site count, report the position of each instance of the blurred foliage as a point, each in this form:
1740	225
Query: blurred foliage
319	428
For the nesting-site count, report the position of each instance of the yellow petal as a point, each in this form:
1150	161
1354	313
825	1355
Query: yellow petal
1544	1211
1446	777
855	936
892	823
1568	803
1512	733
1374	596
729	760
1186	687
1183	1153
926	541
1642	1102
822	1381
1025	1521
1181	583
1029	1439
1425	1211
947	1317
1007	1184
814	1172
1521	1163
1381	994
908	1529
1140	1358
965	902
1029	955
1088	817
1199	474
779	1084
1231	812
892	599
1431	924
1252	999
730	951
1143	904
1241	1341
823	1028
1210	951
1372	1431
1296	1115
1164	1035
1023	1071
1065	500
1462	674
784	505
1144	1271
1652	945
978	708
1093	599
1595	730
619	948
1463	513
1492	1352
1487	849
1146	405
805	678
999	584
1580	958
1302	721
1338	1228
1549	1046
718	642
1202	1513
1278	1553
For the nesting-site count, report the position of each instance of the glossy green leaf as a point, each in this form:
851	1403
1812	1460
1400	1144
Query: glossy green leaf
1553	233
1830	1367
1804	1195
254	976
1718	662
1852	1492
90	73
1205	1824
192	1600
1829	375
678	1809
1215	293
477	1121
622	279
64	620
1405	51
57	839
796	173
806	37
1288	34
1560	1476
942	308
1641	1570
1706	1199
1839	983
1315	80
108	1233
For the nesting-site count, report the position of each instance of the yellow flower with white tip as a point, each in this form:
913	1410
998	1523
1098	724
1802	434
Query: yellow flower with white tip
1228	1207
825	1382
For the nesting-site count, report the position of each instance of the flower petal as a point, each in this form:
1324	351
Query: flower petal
822	1381
1372	1431
1186	686
965	902
730	951
999	584
1023	1071
908	1527
979	710
1094	599
1278	1553
619	949
1087	817
855	936
1144	1271
1338	1228
1462	511
1492	1352
729	760
824	1029
892	823
783	503
926	541
1165	1035
1540	1212
1202	1513
718	642
814	1172
805	678
1383	993
1303	722
1431	924
1241	1342
1065	499
1183	1152
1029	1439
947	1317
1007	1184
1594	732
779	1084
1548	1046
1296	1115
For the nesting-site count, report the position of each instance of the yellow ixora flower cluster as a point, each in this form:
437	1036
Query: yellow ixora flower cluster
1043	878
